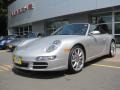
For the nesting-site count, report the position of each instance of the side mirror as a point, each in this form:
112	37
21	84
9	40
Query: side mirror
94	33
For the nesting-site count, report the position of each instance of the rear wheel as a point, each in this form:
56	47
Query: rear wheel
76	59
112	51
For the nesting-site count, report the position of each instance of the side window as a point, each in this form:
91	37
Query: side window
103	28
93	28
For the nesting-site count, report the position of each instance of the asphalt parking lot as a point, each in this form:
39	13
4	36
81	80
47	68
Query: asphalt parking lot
100	74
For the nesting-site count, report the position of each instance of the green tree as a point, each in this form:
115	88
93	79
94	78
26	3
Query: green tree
3	16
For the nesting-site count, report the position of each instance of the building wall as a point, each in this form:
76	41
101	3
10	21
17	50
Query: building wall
10	31
45	9
38	27
107	3
79	18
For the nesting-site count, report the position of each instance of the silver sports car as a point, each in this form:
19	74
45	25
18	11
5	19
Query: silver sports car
68	48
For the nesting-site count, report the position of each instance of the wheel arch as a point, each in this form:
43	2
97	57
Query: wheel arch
70	68
113	40
79	44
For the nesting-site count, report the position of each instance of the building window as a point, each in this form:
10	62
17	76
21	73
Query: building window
26	30
23	30
30	28
51	26
104	20
101	18
117	17
117	28
117	38
105	28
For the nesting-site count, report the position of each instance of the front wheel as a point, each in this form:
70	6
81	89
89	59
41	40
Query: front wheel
112	51
76	59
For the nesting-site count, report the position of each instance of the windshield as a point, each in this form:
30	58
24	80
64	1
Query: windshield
72	29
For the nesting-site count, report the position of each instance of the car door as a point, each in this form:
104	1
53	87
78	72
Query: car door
96	43
95	46
105	39
100	44
103	36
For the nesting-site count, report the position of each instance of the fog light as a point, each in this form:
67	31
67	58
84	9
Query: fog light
45	58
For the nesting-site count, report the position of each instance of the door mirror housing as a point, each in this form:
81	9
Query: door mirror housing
94	33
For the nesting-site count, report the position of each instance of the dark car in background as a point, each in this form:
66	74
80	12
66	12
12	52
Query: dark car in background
4	40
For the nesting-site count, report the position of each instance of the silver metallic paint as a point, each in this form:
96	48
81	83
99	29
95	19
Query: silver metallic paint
95	46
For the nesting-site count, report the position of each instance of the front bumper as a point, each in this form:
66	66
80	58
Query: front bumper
47	65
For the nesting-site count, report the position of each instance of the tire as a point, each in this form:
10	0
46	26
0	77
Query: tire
76	59
112	50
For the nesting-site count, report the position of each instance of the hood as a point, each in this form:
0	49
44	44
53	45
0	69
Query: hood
39	46
18	41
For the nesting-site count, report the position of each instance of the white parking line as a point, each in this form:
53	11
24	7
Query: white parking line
109	66
9	66
1	70
5	67
3	51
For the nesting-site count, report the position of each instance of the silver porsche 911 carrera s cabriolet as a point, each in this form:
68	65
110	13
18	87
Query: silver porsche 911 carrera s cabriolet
68	48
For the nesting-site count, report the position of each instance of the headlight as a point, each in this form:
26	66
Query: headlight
45	58
54	46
